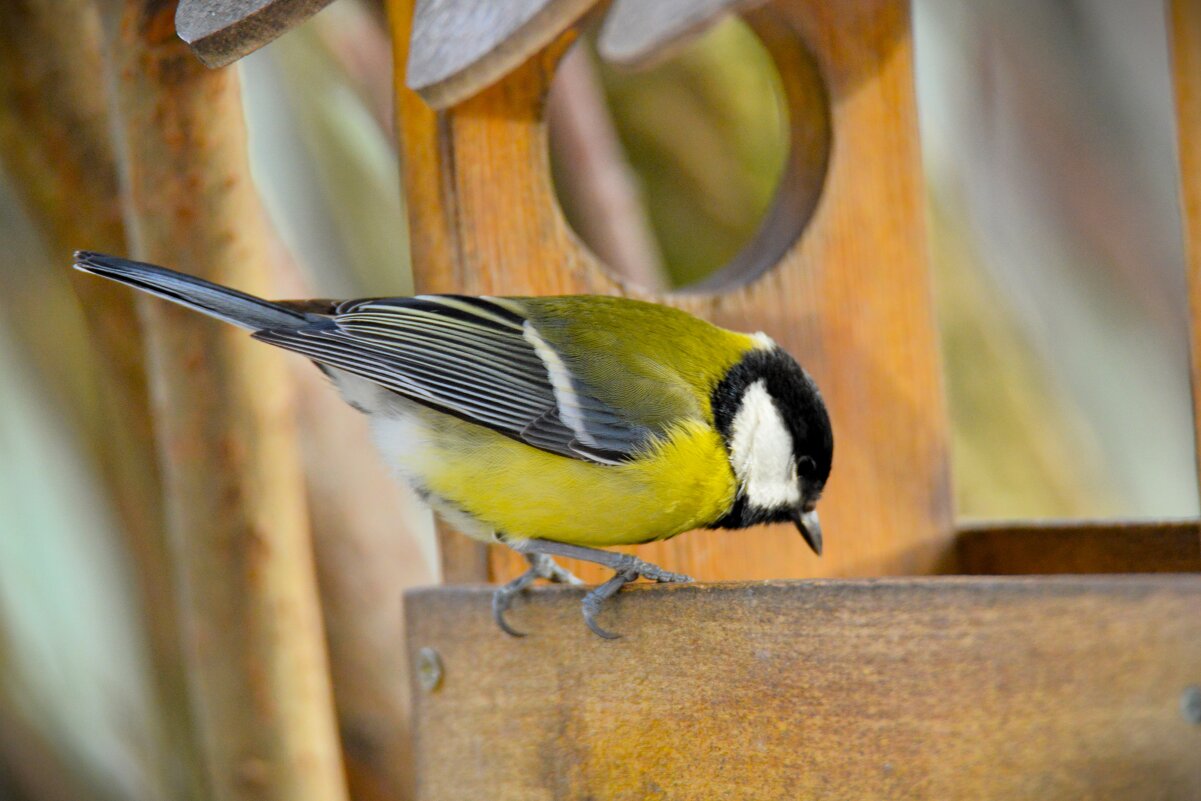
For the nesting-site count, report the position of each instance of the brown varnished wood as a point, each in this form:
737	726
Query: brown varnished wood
945	688
1080	547
434	255
1184	34
850	298
222	31
223	412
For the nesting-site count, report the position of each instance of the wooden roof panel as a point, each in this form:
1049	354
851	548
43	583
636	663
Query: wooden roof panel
637	33
462	46
222	31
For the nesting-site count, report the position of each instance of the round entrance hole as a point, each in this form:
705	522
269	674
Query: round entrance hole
695	174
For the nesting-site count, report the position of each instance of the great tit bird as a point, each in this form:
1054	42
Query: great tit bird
555	425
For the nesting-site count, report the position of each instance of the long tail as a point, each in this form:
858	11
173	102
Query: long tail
212	299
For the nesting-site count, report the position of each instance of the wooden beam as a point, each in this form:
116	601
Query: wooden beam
1055	688
433	251
257	670
56	144
1184	35
1080	547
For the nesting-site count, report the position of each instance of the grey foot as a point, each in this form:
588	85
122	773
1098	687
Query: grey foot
627	567
541	566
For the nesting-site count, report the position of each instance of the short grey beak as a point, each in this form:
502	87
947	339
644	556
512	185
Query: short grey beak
810	528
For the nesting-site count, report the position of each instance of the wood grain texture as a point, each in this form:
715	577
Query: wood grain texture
1080	547
434	255
224	418
1055	688
222	31
1184	21
55	144
458	47
637	33
850	298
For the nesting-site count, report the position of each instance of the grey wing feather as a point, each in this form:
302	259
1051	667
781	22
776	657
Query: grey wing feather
472	358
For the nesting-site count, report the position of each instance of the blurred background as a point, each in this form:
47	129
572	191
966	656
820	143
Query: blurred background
1055	234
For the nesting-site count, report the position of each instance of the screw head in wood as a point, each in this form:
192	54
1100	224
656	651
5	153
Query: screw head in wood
429	669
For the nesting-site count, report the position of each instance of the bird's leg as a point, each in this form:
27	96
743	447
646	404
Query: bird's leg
619	562
541	566
552	571
627	567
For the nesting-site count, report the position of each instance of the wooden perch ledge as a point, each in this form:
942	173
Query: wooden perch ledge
1048	688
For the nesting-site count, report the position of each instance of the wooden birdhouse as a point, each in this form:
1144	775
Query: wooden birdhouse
909	661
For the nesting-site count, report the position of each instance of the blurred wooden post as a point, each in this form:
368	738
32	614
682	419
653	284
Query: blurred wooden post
1184	20
223	413
433	250
56	143
849	296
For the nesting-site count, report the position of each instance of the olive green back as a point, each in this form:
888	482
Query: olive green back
658	364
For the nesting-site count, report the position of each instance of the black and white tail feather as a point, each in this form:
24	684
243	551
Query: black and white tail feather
479	359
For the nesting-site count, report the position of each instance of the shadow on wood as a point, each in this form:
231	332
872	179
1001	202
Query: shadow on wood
1080	547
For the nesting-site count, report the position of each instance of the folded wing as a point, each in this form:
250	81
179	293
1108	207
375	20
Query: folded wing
479	359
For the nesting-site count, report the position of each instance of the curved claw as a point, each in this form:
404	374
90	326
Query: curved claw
500	605
598	631
503	597
593	600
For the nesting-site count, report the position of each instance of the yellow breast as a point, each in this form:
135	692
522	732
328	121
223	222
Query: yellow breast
684	483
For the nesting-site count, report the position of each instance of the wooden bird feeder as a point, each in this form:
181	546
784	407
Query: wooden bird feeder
878	675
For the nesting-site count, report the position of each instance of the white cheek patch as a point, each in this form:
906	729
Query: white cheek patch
761	451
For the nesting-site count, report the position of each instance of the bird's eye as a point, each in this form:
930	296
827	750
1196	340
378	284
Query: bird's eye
806	468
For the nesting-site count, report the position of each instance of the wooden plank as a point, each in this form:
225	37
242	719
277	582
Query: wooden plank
1184	20
459	47
222	31
257	670
1053	688
1080	547
850	298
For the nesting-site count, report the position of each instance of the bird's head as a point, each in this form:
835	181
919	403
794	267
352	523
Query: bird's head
779	441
